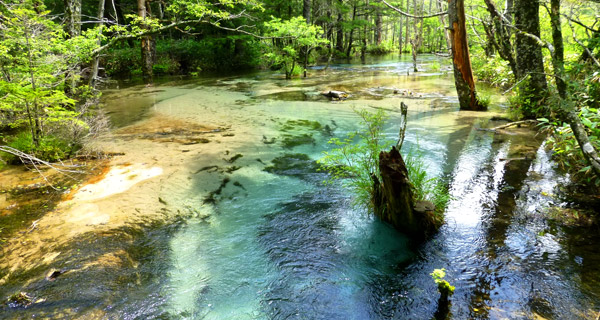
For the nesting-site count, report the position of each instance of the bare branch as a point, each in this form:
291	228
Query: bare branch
413	16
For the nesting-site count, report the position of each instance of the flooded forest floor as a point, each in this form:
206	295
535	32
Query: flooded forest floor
213	207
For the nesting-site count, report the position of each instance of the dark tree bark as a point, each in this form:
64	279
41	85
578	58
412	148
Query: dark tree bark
558	60
306	11
393	199
463	73
147	45
339	43
529	52
351	36
501	36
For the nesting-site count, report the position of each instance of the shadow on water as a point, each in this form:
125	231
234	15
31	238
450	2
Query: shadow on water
280	245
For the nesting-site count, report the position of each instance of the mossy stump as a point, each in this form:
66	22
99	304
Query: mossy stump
393	199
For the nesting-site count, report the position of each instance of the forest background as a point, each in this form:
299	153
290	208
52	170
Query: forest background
56	55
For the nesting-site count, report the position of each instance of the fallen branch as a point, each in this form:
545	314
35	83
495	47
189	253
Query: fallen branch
443	13
516	123
36	162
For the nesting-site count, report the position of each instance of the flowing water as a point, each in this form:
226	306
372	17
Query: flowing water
233	221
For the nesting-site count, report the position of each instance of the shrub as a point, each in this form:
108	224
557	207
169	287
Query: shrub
51	148
356	159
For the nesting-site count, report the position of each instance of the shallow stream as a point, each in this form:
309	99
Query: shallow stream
232	220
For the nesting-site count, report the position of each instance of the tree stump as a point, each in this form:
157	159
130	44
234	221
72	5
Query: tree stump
393	199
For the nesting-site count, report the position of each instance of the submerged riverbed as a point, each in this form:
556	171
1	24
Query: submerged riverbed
216	210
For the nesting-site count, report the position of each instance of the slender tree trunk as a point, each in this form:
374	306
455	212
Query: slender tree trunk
147	59
73	17
501	36
365	35
407	22
96	61
558	60
339	43
350	37
529	53
73	28
463	74
378	28
306	11
32	111
400	36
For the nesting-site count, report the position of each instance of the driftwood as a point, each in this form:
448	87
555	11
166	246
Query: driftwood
508	125
394	202
339	95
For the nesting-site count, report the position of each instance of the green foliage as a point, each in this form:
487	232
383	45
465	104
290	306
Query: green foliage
187	56
355	160
425	188
50	148
444	286
484	100
36	57
524	100
566	150
383	48
294	39
494	71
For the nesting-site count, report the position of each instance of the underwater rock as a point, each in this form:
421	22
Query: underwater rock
338	95
53	274
292	164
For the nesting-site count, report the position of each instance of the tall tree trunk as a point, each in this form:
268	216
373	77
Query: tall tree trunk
400	43
339	42
73	29
378	28
461	61
306	11
365	34
439	6
96	61
407	22
350	37
147	47
558	60
529	53
73	17
501	36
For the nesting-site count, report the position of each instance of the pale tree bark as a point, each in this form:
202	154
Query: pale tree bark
73	17
442	19
73	28
96	61
378	27
463	73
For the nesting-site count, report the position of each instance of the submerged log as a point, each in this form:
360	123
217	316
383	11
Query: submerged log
340	95
394	202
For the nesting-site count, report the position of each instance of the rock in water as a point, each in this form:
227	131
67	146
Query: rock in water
339	95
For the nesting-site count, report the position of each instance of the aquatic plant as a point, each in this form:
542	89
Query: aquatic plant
355	161
444	286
